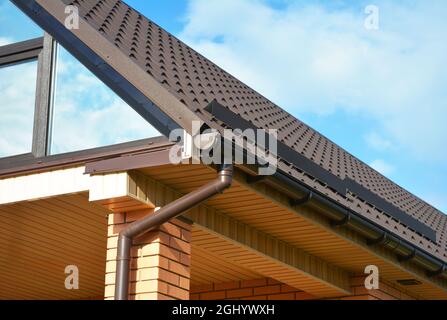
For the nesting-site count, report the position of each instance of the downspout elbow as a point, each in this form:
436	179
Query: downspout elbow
170	211
225	177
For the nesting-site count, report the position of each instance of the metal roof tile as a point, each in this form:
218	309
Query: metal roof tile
196	82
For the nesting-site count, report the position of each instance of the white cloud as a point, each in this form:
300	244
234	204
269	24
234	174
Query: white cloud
378	142
87	114
382	166
310	57
17	88
4	41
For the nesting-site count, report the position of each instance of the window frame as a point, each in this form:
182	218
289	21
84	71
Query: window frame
43	50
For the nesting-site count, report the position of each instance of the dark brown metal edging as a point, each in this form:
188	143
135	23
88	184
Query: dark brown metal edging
170	211
129	162
235	121
20	51
14	166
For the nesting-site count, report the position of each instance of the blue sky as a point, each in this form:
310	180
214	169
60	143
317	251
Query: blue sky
380	94
86	112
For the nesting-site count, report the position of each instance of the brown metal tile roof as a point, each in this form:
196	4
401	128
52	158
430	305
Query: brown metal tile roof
196	82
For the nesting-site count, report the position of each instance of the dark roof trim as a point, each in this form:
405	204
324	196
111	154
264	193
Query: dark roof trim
352	219
389	209
20	51
33	165
284	152
341	186
100	68
129	162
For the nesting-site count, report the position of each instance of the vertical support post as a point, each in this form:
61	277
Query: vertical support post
43	106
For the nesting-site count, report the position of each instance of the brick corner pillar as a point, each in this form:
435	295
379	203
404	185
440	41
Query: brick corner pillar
160	266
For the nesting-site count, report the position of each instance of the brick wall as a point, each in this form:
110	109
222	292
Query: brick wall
160	266
258	289
385	291
269	289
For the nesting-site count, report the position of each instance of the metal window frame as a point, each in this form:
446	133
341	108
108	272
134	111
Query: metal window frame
42	49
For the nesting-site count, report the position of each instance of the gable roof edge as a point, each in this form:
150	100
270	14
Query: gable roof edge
162	109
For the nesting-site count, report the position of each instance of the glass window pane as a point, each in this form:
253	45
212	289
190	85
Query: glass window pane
18	93
15	26
87	114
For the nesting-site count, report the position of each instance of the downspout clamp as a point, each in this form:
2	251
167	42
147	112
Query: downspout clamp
168	212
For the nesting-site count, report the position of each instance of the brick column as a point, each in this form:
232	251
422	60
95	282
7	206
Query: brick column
160	266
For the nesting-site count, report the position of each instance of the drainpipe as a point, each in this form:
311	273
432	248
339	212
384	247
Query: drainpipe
170	211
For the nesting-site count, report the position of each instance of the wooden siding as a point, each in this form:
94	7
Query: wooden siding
39	239
205	270
265	265
267	210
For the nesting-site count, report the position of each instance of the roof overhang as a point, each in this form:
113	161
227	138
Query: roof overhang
110	185
165	111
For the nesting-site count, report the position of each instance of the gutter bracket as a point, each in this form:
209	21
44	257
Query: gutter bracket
342	222
382	239
408	257
432	274
301	201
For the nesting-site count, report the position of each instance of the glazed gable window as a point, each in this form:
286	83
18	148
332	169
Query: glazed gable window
49	102
15	26
87	114
17	103
21	58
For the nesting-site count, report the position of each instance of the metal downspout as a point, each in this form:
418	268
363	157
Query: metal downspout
170	211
